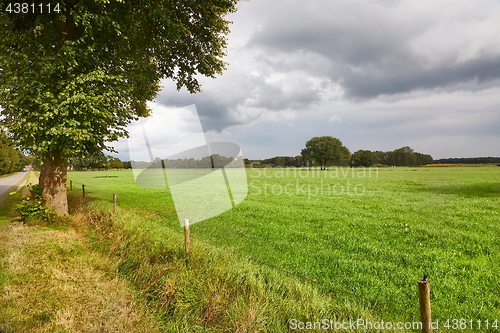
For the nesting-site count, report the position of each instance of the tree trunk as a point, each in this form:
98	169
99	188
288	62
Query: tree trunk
53	182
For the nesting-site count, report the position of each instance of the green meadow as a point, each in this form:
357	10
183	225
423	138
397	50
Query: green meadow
359	238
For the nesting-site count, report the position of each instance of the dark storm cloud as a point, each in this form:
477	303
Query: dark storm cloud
214	113
372	50
394	80
224	104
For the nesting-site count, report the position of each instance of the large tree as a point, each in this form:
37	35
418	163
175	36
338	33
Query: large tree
326	149
73	74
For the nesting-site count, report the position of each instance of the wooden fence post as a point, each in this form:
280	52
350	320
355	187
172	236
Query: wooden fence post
114	203
424	296
187	241
71	185
83	190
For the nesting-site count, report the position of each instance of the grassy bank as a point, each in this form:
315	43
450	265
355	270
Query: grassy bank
51	281
212	290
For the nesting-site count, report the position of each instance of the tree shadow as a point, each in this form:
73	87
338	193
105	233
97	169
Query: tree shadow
482	190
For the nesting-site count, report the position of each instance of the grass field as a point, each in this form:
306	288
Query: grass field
358	236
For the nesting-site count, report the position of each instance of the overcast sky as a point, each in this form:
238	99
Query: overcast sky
378	75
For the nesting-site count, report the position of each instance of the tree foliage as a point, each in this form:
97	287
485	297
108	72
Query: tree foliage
94	161
326	149
11	159
70	82
364	158
114	163
469	160
277	161
206	162
404	156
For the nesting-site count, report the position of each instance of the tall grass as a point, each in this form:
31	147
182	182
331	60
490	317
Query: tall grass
212	290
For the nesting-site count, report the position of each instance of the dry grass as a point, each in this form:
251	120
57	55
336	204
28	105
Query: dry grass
53	283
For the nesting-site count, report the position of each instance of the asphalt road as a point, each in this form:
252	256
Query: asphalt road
7	184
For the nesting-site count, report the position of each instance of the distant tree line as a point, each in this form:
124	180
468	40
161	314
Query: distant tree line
279	161
327	151
100	162
404	156
319	152
469	160
96	162
206	162
11	159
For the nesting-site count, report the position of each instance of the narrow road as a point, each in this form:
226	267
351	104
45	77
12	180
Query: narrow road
8	184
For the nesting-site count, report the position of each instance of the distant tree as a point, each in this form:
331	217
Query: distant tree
24	160
469	160
423	159
11	159
221	161
306	156
14	160
299	161
364	158
94	161
4	160
383	157
192	163
279	161
326	149
114	163
157	163
404	156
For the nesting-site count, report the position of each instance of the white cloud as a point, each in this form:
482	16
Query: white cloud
334	118
166	132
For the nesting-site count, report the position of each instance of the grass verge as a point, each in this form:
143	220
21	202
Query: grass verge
51	281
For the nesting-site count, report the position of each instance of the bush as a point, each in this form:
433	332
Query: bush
35	190
33	209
